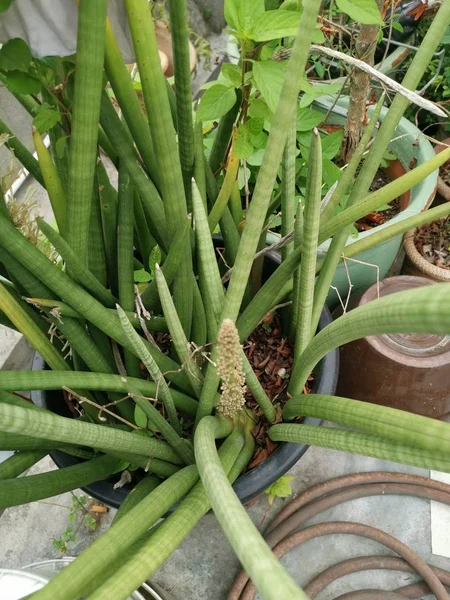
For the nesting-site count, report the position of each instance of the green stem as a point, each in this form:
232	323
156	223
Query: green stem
140	491
288	187
225	192
79	270
52	181
22	154
311	222
85	116
169	535
426	314
141	351
55	380
257	558
183	89
177	334
31	331
14	492
72	582
47	426
397	425
151	201
125	255
128	100
19	463
359	443
152	324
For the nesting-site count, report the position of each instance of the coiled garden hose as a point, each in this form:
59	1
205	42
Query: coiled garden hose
283	535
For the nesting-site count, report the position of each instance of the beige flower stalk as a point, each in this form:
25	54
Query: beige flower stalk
229	367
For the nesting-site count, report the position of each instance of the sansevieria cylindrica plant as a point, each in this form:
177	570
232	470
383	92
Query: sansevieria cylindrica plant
143	319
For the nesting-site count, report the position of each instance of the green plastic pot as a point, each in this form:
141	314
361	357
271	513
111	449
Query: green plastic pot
411	147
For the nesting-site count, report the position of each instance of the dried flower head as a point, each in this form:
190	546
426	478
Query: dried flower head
229	367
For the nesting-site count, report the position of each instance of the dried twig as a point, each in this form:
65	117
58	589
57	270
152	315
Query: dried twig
390	83
82	399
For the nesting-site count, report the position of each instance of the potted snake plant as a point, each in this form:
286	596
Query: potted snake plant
156	375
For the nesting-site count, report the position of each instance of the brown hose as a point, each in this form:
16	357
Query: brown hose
371	595
369	563
291	518
349	528
338	483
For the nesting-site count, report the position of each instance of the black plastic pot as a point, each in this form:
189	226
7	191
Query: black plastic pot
250	484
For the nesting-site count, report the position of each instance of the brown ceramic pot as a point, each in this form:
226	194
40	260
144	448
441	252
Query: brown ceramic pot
408	372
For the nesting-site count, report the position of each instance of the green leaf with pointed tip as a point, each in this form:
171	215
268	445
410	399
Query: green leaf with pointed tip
308	118
141	276
19	82
231	12
275	24
216	102
15	56
46	118
232	73
331	144
268	77
249	12
280	489
140	418
365	12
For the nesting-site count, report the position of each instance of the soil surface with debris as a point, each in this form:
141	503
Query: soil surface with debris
271	355
378	217
433	242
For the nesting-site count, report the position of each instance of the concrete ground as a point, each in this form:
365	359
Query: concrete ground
204	566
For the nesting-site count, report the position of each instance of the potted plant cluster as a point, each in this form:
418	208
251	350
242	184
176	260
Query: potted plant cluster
341	119
155	380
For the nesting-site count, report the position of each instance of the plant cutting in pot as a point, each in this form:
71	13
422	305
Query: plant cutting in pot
159	402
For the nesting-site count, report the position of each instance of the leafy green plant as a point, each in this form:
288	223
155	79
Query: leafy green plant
143	378
81	512
280	489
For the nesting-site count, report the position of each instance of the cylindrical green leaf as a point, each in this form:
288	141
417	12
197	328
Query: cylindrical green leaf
72	581
85	117
360	443
45	425
311	222
52	180
19	463
397	425
257	558
412	311
31	488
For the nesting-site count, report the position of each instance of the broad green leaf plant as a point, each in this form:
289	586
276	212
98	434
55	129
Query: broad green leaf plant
156	371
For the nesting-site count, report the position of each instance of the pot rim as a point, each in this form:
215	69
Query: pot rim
405	129
433	271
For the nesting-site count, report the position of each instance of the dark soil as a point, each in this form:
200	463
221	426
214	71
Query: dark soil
433	243
271	355
378	217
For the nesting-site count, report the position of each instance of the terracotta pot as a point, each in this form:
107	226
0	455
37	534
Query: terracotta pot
165	46
416	264
408	372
